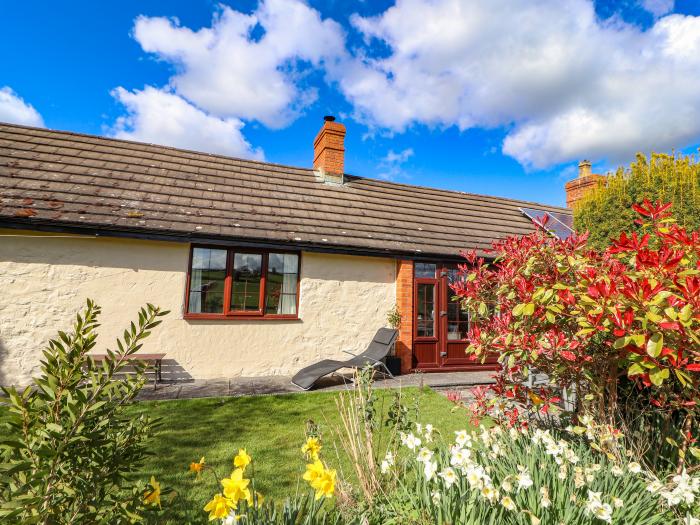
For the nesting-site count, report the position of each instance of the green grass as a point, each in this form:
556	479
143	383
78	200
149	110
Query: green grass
271	428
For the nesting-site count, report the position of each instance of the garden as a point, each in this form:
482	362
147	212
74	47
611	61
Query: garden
593	418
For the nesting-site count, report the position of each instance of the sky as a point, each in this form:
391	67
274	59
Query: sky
498	97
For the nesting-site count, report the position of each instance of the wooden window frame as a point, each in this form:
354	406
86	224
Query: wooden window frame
227	313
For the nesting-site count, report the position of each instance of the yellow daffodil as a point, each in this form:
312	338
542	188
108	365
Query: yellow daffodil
152	495
219	507
236	487
197	467
311	448
242	459
314	471
325	484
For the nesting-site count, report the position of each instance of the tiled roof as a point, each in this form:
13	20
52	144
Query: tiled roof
59	178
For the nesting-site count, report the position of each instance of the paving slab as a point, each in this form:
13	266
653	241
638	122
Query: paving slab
252	386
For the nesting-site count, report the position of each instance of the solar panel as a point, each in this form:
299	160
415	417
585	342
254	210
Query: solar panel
558	224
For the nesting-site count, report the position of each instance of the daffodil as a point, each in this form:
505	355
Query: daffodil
325	484
311	448
219	507
152	495
314	471
236	487
197	467
242	459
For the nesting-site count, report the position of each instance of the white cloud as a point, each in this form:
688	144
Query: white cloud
156	116
658	7
391	164
564	84
229	70
15	110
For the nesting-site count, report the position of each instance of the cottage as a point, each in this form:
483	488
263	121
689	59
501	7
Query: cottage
265	268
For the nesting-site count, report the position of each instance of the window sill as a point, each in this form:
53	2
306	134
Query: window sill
221	317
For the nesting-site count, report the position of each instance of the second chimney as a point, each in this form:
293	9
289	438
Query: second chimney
329	151
586	181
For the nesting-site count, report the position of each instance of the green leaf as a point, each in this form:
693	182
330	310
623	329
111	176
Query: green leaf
518	310
635	370
655	344
658	375
529	309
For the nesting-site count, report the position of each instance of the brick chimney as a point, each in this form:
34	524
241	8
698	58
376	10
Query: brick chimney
329	151
585	182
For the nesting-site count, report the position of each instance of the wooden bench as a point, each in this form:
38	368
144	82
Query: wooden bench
153	361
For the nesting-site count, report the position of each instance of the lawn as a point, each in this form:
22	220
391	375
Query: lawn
271	428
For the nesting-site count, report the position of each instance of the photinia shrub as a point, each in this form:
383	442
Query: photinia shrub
593	319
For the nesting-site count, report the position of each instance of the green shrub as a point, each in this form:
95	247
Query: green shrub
69	448
606	211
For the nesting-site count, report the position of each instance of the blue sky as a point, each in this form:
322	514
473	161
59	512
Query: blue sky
485	97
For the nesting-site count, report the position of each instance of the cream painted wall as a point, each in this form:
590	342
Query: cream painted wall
45	279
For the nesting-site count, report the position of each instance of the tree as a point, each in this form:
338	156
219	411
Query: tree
592	318
607	210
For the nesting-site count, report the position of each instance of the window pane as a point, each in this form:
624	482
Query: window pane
245	284
207	277
425	270
281	283
457	322
426	310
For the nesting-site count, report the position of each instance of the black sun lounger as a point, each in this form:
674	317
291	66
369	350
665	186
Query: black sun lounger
377	350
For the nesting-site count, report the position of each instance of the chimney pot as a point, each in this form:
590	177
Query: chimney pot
329	151
584	168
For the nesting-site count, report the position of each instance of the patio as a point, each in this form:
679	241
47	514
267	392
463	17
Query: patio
255	386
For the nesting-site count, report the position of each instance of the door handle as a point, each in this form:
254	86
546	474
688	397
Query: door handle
443	313
443	354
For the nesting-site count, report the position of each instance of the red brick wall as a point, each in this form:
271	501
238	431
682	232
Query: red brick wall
404	300
577	188
329	148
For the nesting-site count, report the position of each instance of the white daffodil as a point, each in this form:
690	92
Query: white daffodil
489	493
690	520
449	477
411	441
384	466
545	502
435	496
603	512
428	432
618	503
461	438
508	503
425	455
634	467
523	478
616	471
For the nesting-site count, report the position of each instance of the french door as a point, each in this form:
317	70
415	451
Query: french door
440	325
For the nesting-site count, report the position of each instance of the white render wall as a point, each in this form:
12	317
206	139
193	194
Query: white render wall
45	279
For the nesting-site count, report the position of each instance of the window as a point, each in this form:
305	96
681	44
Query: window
457	319
426	310
230	283
425	270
